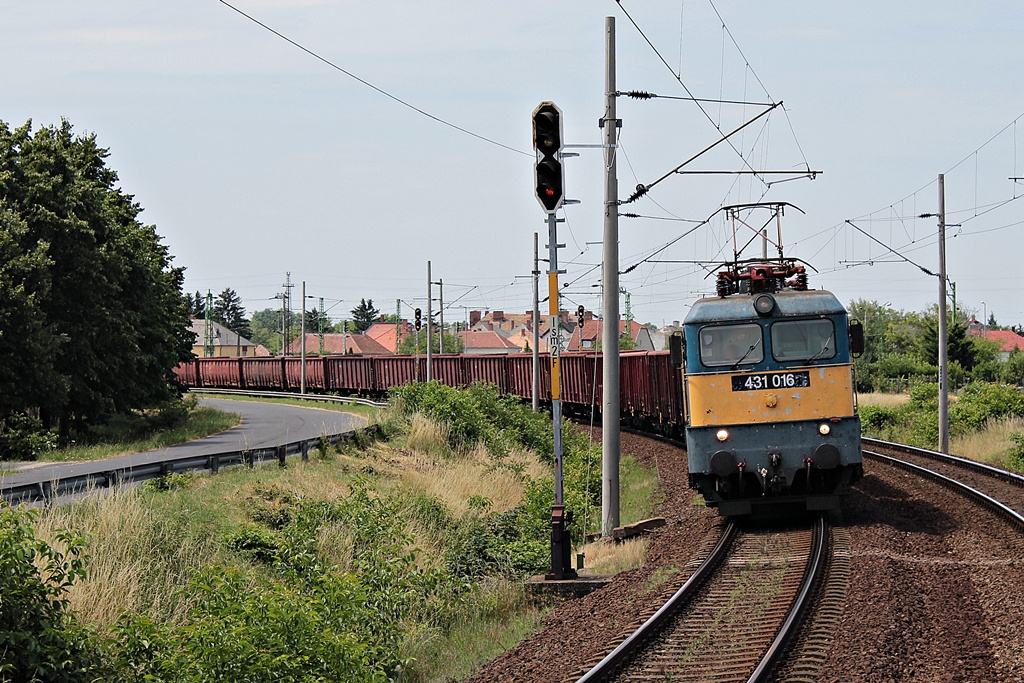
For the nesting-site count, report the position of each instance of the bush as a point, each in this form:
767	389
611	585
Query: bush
1016	459
981	401
875	418
517	541
22	437
240	631
39	639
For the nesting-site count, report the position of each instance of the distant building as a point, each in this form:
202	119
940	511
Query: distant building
586	338
522	337
487	342
338	343
225	343
1008	339
389	335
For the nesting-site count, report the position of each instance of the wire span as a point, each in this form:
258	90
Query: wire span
371	85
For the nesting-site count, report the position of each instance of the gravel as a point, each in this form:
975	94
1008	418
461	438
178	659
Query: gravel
935	590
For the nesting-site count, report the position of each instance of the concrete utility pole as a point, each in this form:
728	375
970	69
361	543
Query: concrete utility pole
429	294
943	339
610	441
440	313
302	332
536	328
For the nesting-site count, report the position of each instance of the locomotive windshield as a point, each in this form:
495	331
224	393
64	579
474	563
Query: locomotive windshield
731	345
803	339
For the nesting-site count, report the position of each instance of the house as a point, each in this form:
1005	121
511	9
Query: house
1008	340
522	336
389	335
486	342
338	343
499	321
223	342
586	338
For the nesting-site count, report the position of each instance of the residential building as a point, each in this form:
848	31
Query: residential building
586	338
338	343
487	342
224	342
1008	340
389	335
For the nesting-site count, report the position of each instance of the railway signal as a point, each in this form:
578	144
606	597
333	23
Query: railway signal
418	319
547	142
580	319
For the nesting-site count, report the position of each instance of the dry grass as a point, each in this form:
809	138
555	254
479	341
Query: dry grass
884	400
138	561
991	445
605	557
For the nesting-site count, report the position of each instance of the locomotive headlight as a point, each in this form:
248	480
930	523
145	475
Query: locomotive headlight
722	434
764	304
824	429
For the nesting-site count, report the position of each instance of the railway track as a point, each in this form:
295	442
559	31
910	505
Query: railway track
732	620
999	490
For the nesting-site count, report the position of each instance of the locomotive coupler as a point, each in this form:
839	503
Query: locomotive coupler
777	482
561	545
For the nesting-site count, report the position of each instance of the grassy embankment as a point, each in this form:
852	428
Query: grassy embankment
418	544
984	422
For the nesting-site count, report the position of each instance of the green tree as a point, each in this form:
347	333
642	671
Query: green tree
408	345
25	333
196	304
364	315
229	312
959	345
265	328
313	320
112	322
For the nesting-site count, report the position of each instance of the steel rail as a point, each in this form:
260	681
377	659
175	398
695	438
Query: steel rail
605	668
973	465
812	577
957	486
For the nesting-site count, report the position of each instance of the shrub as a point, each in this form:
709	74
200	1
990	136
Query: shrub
39	639
876	418
1016	459
981	401
22	437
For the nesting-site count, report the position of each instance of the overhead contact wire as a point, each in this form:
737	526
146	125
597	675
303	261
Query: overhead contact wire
371	85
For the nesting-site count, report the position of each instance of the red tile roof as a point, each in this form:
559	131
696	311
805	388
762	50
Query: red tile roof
335	342
488	339
1008	339
591	331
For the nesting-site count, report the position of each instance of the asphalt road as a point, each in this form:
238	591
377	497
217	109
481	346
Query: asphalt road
264	425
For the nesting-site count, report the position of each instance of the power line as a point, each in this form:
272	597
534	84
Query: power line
371	85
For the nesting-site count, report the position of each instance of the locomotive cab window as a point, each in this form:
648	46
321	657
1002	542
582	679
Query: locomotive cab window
803	340
731	345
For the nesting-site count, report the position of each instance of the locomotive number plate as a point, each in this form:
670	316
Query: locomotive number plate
771	380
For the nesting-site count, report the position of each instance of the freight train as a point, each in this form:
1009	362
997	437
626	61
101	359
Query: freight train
760	383
651	393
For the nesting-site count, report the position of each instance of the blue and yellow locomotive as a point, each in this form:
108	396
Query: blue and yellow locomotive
769	392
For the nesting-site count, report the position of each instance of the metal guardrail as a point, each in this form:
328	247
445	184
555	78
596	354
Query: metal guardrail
59	486
322	398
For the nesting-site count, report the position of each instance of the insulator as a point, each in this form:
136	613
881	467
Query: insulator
801	282
639	95
723	286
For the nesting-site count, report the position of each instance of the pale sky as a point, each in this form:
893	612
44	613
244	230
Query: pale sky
254	158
